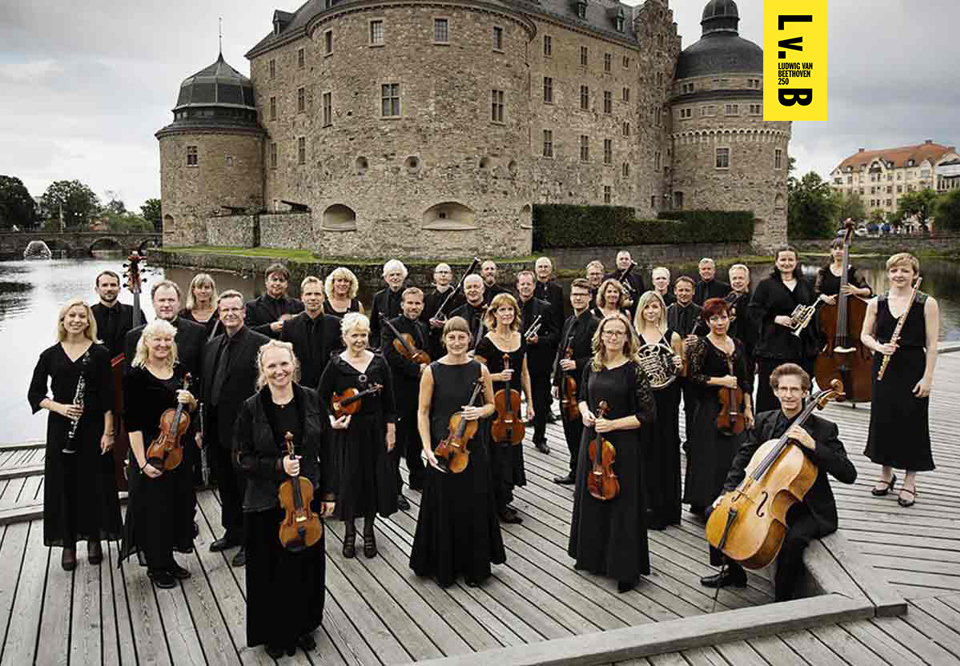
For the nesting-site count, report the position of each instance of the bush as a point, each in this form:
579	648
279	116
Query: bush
562	225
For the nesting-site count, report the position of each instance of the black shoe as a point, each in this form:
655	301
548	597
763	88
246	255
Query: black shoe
350	543
880	492
508	515
727	577
274	651
225	542
291	650
698	511
68	560
551	417
94	552
369	544
472	582
567	480
542	447
240	559
416	484
162	579
626	585
402	503
196	530
307	642
179	572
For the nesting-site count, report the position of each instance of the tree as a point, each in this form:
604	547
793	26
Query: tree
852	206
811	210
79	203
17	207
151	213
877	217
917	204
115	203
125	222
948	211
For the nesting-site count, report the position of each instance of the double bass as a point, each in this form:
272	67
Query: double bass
121	441
750	522
165	452
602	482
300	527
844	356
508	427
453	451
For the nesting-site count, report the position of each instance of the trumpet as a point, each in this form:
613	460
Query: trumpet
534	329
800	317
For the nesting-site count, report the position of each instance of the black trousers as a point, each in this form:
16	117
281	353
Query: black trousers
689	392
572	431
540	386
230	483
409	447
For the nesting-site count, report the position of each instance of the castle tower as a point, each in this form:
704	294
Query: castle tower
211	155
724	155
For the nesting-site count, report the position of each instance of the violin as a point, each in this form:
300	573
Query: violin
601	480
568	392
453	451
165	452
300	527
349	401
404	344
507	428
730	419
750	522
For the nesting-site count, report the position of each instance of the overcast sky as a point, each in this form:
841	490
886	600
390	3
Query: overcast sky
85	84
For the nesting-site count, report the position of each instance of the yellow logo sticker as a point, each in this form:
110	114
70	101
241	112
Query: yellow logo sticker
795	59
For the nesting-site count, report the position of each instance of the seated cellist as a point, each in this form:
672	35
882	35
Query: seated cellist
816	515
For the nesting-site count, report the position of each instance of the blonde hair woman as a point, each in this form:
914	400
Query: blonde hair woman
610	299
341	287
364	440
201	305
610	538
79	491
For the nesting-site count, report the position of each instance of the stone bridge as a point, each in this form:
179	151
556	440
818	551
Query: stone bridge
76	244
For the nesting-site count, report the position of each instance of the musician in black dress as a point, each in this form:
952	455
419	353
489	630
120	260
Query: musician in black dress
660	276
160	512
266	313
341	287
442	295
114	319
577	336
899	435
285	589
773	302
827	285
611	299
503	338
709	286
363	442
609	537
387	300
661	459
201	304
458	533
716	362
541	350
685	318
475	308
406	384
815	516
314	335
79	490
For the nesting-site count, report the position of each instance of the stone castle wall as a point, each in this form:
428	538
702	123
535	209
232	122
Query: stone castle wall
231	230
287	230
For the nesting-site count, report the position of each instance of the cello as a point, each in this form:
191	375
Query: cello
507	428
750	522
730	419
602	482
300	527
121	441
453	451
844	356
165	452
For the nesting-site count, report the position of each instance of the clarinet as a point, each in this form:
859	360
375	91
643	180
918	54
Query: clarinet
70	446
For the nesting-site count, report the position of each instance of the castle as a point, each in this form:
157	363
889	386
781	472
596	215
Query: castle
373	128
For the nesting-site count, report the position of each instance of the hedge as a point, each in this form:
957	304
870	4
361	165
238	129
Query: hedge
562	225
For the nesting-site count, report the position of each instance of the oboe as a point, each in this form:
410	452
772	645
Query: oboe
70	446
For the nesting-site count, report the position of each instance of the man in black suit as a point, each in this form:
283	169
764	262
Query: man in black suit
577	334
816	515
190	337
406	388
594	274
314	335
550	291
709	286
114	319
388	299
488	271
442	279
628	274
229	377
475	307
540	353
267	313
661	284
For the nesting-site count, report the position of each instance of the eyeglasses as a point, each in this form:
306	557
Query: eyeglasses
614	334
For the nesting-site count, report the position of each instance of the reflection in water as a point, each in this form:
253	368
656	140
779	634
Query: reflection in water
31	293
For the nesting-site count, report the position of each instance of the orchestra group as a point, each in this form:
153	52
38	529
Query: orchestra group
303	408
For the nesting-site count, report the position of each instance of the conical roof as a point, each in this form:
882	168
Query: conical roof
721	49
216	85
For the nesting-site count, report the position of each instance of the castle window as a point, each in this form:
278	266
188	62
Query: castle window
584	98
582	9
548	143
678	200
328	42
327	109
778	159
548	90
273	108
660	78
754	109
608	151
376	33
301	150
496	106
584	56
229	160
547	46
301	99
660	41
584	148
301	58
273	69
619	23
607	101
441	31
626	95
192	158
656	161
723	158
497	38
390	100
653	201
607	62
656	115
607	194
626	62
711	110
626	129
625	170
733	110
273	156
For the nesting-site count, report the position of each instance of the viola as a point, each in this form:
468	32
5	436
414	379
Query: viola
601	480
453	451
569	404
300	527
165	451
507	428
349	401
749	523
730	419
405	345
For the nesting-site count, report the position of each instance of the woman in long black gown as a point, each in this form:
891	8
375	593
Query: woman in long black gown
79	490
827	285
285	589
610	536
362	441
162	502
716	361
899	436
661	460
503	338
458	533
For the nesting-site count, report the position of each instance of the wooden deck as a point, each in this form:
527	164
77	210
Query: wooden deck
378	612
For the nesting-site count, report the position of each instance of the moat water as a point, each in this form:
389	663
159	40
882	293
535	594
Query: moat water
31	293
